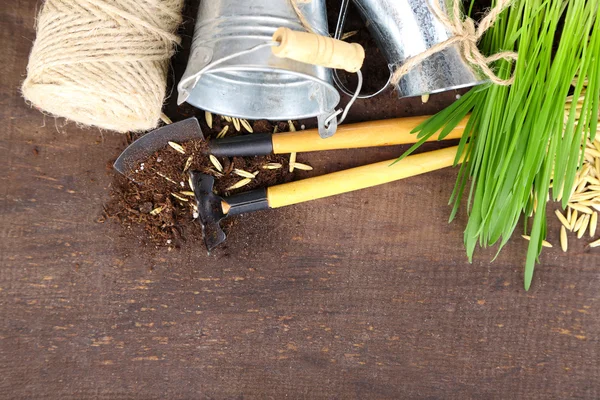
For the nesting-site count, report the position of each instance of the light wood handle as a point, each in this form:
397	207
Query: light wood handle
359	178
352	136
318	50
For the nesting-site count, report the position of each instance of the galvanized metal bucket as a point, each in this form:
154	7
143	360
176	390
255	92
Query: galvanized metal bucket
406	28
256	85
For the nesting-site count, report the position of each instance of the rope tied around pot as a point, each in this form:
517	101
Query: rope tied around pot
466	35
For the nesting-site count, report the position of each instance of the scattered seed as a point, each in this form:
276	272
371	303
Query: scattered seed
595	244
156	211
177	147
544	243
223	132
187	193
208	118
216	163
593	224
592	181
244	174
348	35
226	118
425	98
215	173
578	223
188	163
292	161
190	182
240	184
178	197
564	241
580	208
236	124
303	167
165	119
562	219
166	177
246	125
292	127
276	129
584	226
272	166
573	219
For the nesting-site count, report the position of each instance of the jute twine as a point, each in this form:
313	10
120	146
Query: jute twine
466	36
103	63
303	20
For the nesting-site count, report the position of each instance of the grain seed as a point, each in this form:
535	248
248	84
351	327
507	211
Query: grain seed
303	167
583	209
573	219
578	223
166	177
425	98
187	193
226	118
276	129
188	163
216	163
584	196
584	226
595	244
179	148
246	125
272	165
581	187
156	211
562	219
348	35
178	197
544	243
223	132
592	181
236	124
208	118
244	174
564	240
292	161
291	125
593	224
165	119
239	184
190	182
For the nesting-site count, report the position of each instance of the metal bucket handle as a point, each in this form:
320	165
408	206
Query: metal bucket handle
339	28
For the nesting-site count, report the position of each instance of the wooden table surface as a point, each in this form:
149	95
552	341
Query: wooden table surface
367	295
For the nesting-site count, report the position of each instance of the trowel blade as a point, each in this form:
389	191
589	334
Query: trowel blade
141	149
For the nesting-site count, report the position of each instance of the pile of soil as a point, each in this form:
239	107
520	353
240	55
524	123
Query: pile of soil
155	198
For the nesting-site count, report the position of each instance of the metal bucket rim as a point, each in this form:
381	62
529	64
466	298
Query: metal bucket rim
251	68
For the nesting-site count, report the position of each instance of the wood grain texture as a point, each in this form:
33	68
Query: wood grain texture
364	295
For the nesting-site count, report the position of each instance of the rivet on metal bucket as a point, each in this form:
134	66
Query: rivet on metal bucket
406	28
256	85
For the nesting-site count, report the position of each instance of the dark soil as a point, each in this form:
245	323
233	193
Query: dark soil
156	197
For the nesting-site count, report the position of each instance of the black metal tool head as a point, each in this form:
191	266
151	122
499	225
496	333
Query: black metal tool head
141	149
210	209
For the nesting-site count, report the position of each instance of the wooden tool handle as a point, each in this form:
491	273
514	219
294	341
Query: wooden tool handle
358	178
365	134
318	50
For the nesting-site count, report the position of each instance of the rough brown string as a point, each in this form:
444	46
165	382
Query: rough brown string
300	14
466	36
103	62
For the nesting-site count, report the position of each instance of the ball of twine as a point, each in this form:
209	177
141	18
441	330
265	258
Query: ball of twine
103	63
